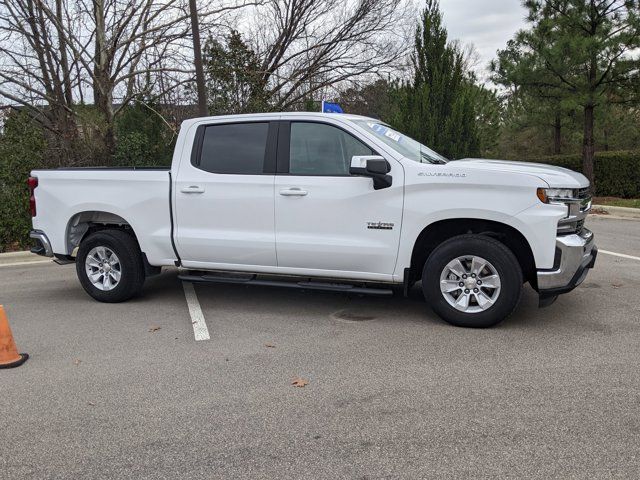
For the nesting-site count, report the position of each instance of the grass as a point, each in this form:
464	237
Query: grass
617	202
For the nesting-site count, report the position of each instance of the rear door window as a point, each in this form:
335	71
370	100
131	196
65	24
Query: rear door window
237	148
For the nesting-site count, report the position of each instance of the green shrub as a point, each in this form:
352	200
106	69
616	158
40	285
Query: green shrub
143	139
22	148
617	174
133	150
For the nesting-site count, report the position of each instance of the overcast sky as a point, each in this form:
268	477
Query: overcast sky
487	24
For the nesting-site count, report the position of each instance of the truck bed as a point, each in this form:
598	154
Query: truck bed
140	196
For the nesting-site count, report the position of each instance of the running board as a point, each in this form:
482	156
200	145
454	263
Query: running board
306	285
64	259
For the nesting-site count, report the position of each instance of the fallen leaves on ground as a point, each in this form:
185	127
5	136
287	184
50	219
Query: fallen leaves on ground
299	382
154	328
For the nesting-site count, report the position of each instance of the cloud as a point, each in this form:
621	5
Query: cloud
487	24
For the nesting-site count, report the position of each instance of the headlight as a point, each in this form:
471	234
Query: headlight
550	195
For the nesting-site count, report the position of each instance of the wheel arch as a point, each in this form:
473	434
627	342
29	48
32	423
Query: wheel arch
86	222
437	232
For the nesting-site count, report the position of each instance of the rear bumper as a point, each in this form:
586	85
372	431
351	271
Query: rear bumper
43	245
576	254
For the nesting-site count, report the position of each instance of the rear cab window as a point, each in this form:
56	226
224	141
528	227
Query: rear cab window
234	148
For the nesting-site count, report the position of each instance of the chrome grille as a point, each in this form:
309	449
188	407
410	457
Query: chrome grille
578	208
584	193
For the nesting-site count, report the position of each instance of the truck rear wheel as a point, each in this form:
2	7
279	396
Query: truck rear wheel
472	281
109	266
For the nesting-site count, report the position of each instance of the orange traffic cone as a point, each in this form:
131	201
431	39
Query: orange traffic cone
9	356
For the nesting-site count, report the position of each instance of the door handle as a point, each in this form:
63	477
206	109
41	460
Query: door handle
192	189
293	192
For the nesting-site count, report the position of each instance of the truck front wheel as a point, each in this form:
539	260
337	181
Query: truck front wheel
472	281
109	266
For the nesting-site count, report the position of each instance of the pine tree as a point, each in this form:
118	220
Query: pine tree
532	92
234	81
583	50
438	105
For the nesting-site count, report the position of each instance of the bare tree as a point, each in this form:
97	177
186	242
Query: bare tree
35	68
58	54
55	53
307	46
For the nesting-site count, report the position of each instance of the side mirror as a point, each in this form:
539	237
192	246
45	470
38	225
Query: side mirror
373	166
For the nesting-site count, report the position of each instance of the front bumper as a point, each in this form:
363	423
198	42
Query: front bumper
43	245
575	255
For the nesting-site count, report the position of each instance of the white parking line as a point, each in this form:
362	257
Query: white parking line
17	264
200	330
622	255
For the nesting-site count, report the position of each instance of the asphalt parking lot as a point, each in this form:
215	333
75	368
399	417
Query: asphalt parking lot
125	390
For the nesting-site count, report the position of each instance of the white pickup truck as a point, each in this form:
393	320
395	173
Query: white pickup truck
321	201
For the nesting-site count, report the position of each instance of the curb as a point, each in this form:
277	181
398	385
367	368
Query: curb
19	257
622	212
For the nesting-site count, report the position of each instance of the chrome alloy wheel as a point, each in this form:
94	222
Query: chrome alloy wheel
470	284
103	268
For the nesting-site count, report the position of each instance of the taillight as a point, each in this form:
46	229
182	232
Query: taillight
33	183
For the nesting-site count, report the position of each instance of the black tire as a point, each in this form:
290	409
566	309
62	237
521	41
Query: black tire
126	248
502	259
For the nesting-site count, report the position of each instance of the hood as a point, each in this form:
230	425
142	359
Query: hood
555	177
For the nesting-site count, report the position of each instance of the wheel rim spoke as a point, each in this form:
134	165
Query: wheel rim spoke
448	286
483	300
457	267
95	277
491	281
101	253
463	301
93	262
115	275
477	265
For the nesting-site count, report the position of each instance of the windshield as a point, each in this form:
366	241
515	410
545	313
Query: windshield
401	143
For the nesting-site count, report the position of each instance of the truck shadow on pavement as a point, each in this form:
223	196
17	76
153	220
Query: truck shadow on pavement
336	306
577	311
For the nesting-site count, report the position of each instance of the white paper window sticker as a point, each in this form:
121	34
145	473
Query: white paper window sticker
392	135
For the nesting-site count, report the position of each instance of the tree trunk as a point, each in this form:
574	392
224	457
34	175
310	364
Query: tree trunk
104	104
557	135
197	60
102	82
64	60
588	144
64	141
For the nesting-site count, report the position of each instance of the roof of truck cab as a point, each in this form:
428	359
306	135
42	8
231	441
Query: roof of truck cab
244	116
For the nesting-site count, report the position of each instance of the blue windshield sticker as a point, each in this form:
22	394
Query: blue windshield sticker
382	130
376	127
